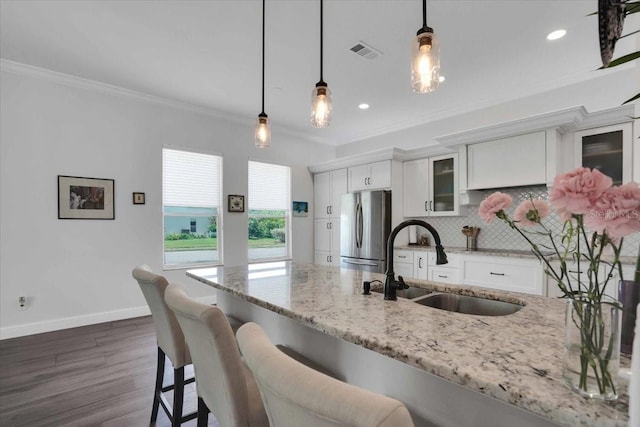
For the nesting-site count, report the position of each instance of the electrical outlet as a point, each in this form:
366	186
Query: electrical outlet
22	303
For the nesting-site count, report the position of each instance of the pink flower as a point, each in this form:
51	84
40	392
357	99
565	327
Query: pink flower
575	192
617	211
530	212
492	205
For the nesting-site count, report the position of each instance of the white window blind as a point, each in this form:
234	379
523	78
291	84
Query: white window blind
191	179
269	186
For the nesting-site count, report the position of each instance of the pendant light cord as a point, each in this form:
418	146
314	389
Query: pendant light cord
424	13
321	37
263	13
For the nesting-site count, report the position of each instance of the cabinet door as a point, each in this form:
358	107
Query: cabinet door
325	258
420	268
359	177
380	175
323	234
321	194
514	161
444	185
338	188
607	149
415	185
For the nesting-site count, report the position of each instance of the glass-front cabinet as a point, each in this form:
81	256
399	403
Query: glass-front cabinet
607	149
431	186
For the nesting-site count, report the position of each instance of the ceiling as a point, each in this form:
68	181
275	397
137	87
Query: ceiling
207	54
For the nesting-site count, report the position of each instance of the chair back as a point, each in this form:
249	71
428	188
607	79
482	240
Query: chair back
295	395
168	333
224	383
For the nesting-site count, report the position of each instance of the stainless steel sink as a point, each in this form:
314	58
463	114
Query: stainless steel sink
468	304
410	293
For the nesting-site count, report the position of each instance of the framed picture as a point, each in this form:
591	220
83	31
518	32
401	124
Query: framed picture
85	198
138	198
300	208
236	203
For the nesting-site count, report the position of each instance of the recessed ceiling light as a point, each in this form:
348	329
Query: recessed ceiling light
441	78
557	34
363	106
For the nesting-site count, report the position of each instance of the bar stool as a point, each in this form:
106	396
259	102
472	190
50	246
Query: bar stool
296	395
171	343
225	385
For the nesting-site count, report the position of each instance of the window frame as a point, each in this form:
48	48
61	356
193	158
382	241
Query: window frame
219	213
287	218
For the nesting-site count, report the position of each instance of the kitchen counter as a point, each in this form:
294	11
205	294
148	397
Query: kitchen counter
510	253
516	359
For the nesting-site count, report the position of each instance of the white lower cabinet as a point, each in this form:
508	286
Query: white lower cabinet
403	263
554	291
444	273
507	274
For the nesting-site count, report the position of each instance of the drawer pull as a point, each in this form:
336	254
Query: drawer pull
496	274
443	277
402	256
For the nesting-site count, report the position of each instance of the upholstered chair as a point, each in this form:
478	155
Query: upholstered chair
295	395
171	343
224	384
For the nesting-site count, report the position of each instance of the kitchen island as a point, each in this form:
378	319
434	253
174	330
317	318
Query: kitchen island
449	368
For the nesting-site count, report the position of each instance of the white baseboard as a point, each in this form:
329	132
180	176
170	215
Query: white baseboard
76	321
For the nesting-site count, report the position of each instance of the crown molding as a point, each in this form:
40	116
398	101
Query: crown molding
564	120
104	88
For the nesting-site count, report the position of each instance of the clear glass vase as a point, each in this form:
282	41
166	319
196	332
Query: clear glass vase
592	349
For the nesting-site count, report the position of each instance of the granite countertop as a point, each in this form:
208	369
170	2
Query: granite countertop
516	358
511	253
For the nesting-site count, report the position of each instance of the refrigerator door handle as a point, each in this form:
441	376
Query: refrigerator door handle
370	264
359	225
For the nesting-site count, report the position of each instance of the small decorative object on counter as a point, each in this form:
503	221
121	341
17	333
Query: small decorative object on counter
472	237
597	216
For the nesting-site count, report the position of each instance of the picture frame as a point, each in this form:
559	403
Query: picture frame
85	198
235	203
300	209
138	198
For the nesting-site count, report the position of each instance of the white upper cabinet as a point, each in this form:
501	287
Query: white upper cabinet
607	149
508	162
328	190
372	176
431	186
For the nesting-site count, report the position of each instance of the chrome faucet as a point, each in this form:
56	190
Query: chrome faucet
390	283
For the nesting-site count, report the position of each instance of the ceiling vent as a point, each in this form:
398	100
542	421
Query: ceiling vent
365	51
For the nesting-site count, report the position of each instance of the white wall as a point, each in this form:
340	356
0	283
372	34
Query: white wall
77	272
601	93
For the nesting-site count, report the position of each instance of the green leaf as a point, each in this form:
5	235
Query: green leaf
622	60
632	99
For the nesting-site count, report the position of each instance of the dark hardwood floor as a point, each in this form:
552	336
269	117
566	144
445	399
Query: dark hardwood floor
98	375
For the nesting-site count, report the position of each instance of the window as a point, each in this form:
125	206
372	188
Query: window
269	211
191	200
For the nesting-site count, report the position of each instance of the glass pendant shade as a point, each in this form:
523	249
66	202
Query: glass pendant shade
425	61
263	132
321	105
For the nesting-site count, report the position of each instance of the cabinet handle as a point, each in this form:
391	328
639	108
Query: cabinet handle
426	208
368	181
431	205
496	274
402	256
328	258
575	271
365	181
443	277
331	209
328	226
420	262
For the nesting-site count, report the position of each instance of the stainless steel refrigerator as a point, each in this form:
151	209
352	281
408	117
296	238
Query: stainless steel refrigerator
365	224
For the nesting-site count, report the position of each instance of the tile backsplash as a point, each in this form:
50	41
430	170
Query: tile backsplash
498	235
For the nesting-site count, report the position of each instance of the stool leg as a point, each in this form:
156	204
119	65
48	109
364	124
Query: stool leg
203	413
178	395
158	389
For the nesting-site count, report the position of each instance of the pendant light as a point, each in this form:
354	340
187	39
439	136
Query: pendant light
263	129
425	58
321	95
